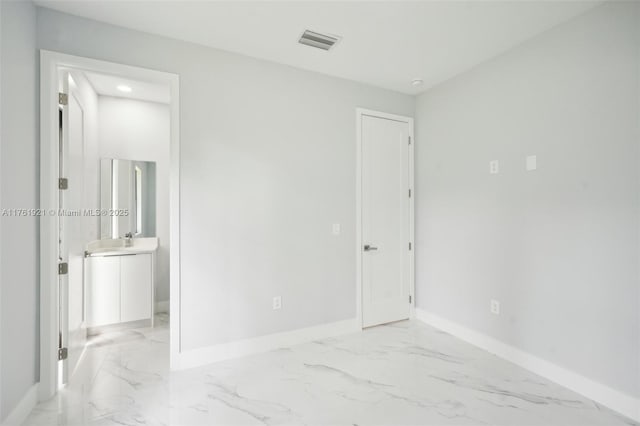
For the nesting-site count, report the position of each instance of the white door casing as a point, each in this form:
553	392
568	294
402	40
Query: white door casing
385	217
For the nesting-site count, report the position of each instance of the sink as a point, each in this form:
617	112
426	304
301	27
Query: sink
120	246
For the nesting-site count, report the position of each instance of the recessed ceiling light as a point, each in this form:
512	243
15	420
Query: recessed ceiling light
417	82
124	88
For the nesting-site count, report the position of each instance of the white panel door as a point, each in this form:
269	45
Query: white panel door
103	291
73	333
135	287
385	220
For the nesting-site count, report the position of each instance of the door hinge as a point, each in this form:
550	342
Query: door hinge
409	246
63	99
63	353
409	193
409	140
63	183
410	299
63	268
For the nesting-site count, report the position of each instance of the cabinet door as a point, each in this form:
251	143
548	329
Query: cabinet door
135	287
103	290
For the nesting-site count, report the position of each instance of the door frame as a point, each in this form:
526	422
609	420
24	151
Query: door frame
50	63
360	113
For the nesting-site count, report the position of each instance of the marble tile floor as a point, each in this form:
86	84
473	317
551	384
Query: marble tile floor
404	373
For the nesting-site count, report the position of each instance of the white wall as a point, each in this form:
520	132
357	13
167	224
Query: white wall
267	165
18	189
559	247
137	130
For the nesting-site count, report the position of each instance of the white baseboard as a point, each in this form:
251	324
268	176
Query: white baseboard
20	413
609	397
198	357
162	306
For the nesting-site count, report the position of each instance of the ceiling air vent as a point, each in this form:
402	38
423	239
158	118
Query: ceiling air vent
321	41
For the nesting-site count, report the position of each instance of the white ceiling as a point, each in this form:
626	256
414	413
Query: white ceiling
107	85
385	43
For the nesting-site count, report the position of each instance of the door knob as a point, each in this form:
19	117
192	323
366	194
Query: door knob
367	247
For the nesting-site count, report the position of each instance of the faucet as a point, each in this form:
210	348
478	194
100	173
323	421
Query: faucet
127	239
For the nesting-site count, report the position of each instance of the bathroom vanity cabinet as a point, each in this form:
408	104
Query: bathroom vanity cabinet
120	288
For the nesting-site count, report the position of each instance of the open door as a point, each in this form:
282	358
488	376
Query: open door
72	333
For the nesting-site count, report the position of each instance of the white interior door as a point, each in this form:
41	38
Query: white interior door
386	264
71	224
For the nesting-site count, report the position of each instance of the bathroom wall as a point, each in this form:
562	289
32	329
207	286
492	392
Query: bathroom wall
558	246
136	130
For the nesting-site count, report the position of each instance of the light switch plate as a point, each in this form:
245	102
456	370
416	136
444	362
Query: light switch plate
494	167
532	163
336	229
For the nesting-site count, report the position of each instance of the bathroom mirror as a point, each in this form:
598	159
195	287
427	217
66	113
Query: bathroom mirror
127	198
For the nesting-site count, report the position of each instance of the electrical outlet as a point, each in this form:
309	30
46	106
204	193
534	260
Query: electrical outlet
277	302
494	167
336	229
495	307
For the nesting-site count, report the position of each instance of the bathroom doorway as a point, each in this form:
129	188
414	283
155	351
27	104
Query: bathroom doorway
109	197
